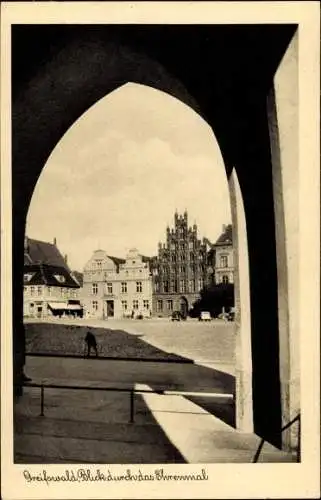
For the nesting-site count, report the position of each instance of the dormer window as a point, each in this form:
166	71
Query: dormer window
60	278
27	277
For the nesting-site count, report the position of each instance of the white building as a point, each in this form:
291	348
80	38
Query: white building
224	257
117	288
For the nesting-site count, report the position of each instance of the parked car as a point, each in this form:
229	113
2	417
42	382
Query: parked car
176	316
223	316
231	316
205	316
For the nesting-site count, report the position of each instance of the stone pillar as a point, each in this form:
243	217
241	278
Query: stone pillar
282	107
244	400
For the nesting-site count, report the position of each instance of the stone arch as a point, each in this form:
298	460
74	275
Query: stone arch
220	89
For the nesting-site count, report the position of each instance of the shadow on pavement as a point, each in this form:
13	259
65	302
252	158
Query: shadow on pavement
86	427
56	339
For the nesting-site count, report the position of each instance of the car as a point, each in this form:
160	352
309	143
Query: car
205	316
176	316
231	316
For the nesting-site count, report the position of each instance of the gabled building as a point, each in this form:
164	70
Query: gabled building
117	288
49	287
181	268
223	255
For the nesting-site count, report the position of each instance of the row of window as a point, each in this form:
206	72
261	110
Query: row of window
125	304
181	286
49	291
161	303
173	257
182	268
109	287
108	274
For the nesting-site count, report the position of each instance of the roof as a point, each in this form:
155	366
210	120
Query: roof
116	260
46	274
37	252
78	276
226	238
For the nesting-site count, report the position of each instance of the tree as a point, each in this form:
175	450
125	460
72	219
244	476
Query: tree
213	299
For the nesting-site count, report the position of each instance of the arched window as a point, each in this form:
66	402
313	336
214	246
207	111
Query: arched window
225	279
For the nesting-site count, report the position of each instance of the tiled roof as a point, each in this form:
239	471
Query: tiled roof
42	252
79	277
45	274
116	260
226	237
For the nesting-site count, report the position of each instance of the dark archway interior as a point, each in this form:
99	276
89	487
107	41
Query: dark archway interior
224	73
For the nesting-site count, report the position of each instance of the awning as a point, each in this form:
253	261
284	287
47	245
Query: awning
56	306
74	307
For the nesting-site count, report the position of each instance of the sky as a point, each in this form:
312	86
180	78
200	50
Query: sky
115	179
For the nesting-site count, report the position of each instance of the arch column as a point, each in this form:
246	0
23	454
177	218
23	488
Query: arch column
243	351
283	126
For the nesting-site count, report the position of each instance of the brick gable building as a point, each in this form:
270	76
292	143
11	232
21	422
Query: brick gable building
181	268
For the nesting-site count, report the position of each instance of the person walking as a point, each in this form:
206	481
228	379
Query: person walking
91	343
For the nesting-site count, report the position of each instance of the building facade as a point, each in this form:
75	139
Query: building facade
49	286
224	257
117	288
181	268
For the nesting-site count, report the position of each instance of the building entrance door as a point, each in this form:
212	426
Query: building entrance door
184	307
110	308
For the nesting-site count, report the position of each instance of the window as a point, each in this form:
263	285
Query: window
124	305
159	305
166	287
124	287
173	258
27	277
191	256
146	304
139	286
156	287
95	288
39	290
183	286
182	269
49	290
135	304
95	305
109	288
170	305
192	286
60	278
223	261
191	246
32	290
225	279
99	264
200	284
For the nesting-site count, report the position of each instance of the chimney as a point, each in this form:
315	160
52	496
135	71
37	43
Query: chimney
66	259
55	241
